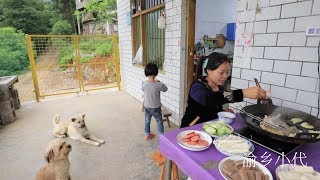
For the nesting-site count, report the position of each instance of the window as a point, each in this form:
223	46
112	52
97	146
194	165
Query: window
145	31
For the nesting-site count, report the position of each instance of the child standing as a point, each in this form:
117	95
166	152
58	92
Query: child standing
152	105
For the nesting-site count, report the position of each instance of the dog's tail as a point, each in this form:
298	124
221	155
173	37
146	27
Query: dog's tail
56	119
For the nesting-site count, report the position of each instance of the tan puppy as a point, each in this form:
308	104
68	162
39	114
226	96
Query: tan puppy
57	156
76	129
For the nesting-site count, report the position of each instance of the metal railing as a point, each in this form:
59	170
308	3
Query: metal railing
63	64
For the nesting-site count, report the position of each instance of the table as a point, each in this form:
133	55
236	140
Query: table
190	161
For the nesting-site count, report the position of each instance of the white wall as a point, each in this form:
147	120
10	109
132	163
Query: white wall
173	75
212	18
280	56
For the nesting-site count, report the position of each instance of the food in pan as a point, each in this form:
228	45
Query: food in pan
296	172
307	125
276	121
237	170
313	131
296	120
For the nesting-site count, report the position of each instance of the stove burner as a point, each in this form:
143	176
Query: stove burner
273	145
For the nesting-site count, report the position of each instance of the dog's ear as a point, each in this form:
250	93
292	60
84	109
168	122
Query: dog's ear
49	155
73	119
83	115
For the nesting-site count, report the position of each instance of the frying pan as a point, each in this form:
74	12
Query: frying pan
260	110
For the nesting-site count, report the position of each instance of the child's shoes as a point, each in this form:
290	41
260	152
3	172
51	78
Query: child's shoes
150	136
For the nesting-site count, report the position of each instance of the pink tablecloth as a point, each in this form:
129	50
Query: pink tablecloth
190	162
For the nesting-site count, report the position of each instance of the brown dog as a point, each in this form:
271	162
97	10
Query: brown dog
57	156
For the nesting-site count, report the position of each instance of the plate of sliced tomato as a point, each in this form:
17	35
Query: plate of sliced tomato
194	140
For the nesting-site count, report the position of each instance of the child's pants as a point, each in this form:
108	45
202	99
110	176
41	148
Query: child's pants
156	113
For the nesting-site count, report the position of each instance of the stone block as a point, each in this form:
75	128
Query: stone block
7	117
15	98
4	93
7	113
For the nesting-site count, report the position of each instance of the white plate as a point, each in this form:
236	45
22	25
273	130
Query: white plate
288	167
237	158
231	154
187	146
215	136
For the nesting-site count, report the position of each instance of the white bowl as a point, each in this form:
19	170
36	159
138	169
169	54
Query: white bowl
227	117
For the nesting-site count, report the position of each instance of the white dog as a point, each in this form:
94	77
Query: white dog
57	156
76	129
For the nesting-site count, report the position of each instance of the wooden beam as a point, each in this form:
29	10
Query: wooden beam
134	36
149	10
143	38
191	12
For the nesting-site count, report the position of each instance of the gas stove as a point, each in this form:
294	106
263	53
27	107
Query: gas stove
271	144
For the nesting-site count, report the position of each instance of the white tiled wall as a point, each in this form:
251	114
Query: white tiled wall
173	76
286	61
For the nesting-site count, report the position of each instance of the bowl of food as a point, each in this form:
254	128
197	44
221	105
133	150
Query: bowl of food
227	117
232	145
217	128
296	172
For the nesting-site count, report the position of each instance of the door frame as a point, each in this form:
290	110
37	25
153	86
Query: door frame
190	39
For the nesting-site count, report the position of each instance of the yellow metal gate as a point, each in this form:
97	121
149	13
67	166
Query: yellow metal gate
63	64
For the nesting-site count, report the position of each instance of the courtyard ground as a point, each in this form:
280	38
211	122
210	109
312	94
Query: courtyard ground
111	115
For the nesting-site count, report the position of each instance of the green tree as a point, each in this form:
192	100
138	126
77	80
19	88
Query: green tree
64	10
105	10
13	51
29	16
61	27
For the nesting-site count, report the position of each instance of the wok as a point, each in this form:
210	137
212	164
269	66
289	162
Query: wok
260	110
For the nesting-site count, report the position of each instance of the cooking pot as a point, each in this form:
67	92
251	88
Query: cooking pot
260	110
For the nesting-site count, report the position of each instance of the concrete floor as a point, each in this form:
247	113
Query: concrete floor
111	115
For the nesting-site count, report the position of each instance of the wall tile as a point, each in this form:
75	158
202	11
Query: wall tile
262	64
310	70
307	98
284	93
302	83
273	78
296	106
287	67
250	74
291	39
282	25
304	54
277	53
296	9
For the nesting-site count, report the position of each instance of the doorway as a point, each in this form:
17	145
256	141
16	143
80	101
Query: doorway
210	28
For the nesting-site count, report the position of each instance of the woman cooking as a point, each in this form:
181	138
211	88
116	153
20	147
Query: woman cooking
206	96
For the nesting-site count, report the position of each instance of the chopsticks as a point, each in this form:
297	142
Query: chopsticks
263	100
259	119
257	82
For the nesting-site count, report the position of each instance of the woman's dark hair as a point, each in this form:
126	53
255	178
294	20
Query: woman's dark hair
214	61
151	70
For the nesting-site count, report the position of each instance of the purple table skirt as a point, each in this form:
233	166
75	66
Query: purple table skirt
190	161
